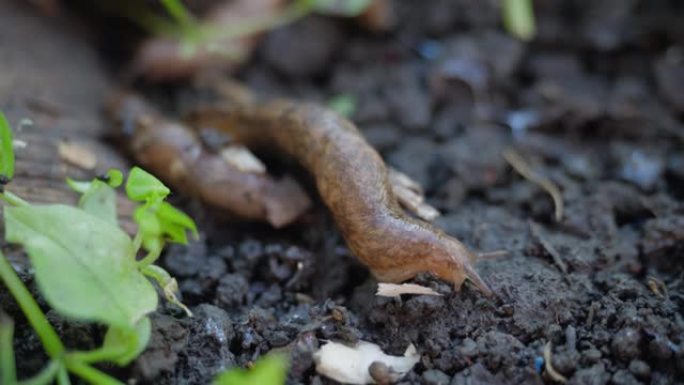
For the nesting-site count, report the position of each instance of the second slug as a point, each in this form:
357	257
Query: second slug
354	183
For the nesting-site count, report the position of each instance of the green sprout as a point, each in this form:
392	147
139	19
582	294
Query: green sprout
6	151
86	268
194	34
270	369
518	18
344	104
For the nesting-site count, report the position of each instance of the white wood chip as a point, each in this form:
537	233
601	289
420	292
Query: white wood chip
77	155
395	290
349	365
244	160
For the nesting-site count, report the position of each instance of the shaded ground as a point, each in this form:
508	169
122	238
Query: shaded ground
596	104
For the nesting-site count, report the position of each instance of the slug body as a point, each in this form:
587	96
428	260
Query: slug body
353	182
174	152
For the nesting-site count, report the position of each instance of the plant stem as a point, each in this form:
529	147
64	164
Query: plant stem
150	258
180	14
297	10
137	242
63	376
46	376
97	355
91	374
518	18
8	370
13	199
48	336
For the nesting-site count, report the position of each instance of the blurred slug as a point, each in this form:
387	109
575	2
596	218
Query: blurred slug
353	182
229	179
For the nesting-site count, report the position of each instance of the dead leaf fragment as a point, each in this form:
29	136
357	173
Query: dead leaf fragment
395	290
77	155
242	159
352	364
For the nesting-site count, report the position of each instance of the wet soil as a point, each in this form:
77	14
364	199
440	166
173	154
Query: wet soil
595	103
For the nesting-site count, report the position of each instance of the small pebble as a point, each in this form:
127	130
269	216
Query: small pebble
640	369
591	356
436	377
659	348
468	348
625	344
623	377
231	290
566	361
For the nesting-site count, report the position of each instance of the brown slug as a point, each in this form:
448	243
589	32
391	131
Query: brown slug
175	153
353	182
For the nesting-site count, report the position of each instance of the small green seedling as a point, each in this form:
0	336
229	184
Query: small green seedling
87	269
6	151
270	369
518	18
194	34
343	104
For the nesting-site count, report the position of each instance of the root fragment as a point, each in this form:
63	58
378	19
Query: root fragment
523	168
549	367
555	255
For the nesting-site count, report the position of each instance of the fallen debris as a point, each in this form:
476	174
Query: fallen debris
523	168
555	255
395	290
549	367
242	159
77	155
352	365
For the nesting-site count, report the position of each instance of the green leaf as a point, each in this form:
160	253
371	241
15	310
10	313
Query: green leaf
343	104
162	221
148	223
100	201
78	186
128	342
84	265
8	374
168	285
114	178
6	149
180	14
268	370
518	18
143	186
99	197
346	8
175	223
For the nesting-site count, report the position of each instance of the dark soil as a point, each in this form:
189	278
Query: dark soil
595	103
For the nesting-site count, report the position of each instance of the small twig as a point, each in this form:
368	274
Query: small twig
592	311
657	286
491	254
523	168
549	367
555	255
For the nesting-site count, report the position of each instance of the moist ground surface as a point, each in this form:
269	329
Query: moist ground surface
595	104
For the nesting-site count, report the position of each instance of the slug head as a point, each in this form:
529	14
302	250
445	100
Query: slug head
453	262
